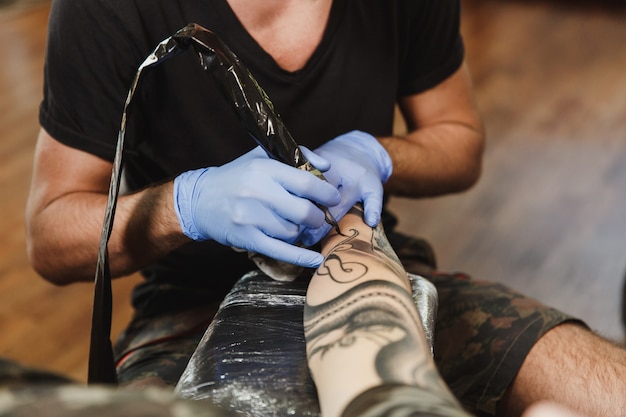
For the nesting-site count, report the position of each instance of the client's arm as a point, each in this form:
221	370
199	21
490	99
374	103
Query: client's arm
365	343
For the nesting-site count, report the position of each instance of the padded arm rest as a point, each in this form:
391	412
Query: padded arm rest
252	358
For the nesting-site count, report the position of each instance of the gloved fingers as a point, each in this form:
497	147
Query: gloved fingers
373	205
274	224
282	223
292	194
372	200
256	152
252	192
306	185
297	255
359	146
333	177
316	160
299	211
375	150
310	236
259	242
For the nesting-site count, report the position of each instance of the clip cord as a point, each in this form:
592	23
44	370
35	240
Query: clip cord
255	111
101	361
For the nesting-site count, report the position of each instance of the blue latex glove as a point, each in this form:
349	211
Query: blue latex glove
254	203
359	166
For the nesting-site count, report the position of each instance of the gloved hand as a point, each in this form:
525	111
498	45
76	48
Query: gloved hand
254	203
359	166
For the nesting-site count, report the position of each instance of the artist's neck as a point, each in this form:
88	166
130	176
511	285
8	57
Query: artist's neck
288	30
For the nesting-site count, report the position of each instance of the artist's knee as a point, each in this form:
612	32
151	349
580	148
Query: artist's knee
569	335
576	341
571	365
572	349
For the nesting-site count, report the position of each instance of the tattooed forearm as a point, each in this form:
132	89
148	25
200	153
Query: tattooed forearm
402	401
361	325
359	254
376	313
347	261
342	270
375	326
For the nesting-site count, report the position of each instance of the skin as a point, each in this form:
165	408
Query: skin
573	367
362	327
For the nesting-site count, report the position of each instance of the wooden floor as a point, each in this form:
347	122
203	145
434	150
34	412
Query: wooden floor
548	217
40	324
549	214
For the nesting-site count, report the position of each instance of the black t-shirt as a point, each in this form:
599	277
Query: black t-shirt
371	53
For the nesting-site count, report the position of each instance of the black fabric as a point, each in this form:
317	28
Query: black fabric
371	53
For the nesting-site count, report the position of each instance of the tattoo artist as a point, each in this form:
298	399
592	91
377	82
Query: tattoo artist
197	186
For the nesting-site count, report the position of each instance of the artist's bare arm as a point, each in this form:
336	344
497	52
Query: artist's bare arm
442	151
362	327
65	214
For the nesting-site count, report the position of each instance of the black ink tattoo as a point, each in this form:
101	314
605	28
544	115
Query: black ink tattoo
374	247
377	311
403	401
374	313
380	313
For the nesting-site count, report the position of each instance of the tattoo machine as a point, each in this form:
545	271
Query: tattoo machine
254	109
252	104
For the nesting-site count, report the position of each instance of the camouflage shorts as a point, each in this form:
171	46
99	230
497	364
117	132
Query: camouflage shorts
483	333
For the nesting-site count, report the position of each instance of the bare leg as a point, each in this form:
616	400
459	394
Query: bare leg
365	342
574	367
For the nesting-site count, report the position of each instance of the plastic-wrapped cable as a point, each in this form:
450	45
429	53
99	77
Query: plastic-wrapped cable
252	358
101	363
256	113
252	105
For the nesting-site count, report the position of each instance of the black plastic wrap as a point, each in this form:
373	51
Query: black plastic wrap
252	358
255	111
253	106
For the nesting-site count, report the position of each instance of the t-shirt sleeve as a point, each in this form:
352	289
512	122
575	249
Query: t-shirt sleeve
90	63
431	47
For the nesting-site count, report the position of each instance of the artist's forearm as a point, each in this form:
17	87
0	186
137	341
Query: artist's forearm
439	159
442	149
65	235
